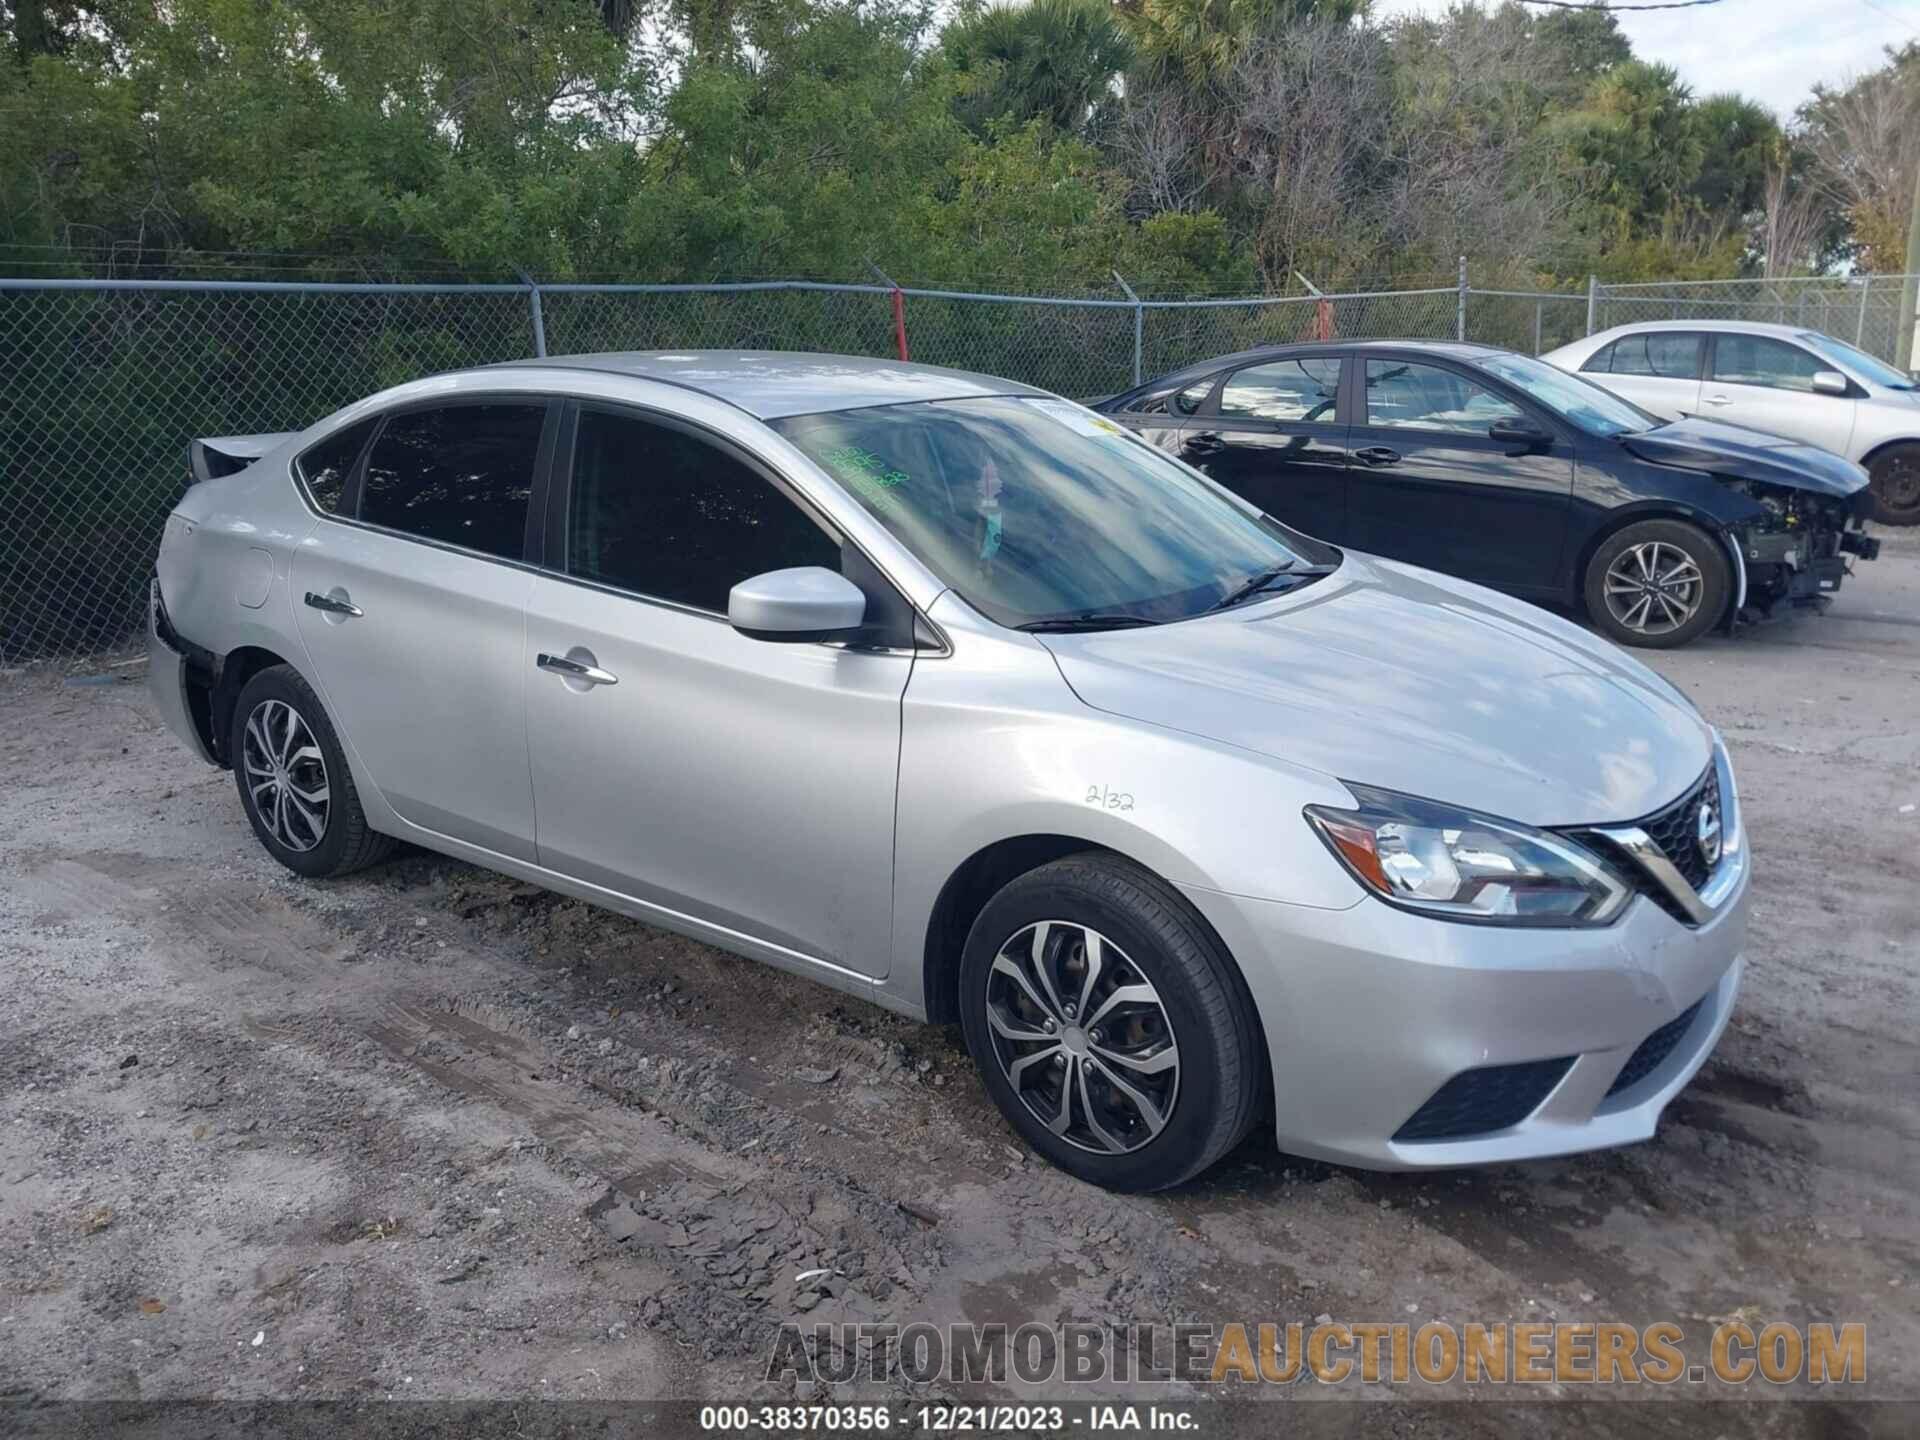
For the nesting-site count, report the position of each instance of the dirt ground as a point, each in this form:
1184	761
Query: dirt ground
429	1132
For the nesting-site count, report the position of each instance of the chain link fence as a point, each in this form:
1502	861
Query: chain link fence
103	383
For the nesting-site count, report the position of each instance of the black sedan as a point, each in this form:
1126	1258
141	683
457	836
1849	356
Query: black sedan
1499	468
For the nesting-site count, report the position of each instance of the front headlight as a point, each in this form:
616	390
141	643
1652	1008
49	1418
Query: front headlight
1459	865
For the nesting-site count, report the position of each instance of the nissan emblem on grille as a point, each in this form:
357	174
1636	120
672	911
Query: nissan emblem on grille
1707	833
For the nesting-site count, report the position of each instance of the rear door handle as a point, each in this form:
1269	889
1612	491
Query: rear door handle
1719	399
1377	455
333	605
1204	443
576	670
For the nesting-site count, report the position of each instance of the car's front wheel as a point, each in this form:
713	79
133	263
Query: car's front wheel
293	778
1896	485
1109	1024
1657	584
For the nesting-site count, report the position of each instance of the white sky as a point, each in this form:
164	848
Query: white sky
1774	51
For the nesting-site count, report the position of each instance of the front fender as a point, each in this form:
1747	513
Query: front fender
995	746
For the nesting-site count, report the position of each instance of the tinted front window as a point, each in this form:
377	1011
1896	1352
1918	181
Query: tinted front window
461	475
1036	510
1284	390
326	466
1579	402
1756	360
1859	361
1656	354
1401	394
662	512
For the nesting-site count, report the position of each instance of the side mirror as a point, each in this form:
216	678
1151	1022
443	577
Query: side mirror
803	604
1829	382
1521	432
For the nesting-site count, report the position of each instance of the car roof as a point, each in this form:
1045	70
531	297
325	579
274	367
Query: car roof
1750	327
1455	349
770	384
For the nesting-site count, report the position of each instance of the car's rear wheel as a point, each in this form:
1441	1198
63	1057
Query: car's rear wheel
293	779
1109	1024
1896	485
1657	584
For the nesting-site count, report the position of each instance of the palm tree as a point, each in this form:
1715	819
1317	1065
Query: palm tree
1198	40
1050	60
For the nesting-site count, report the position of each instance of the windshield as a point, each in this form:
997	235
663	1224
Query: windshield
1858	361
1037	511
1578	401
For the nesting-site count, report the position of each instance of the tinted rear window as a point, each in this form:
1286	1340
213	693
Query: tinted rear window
325	467
461	475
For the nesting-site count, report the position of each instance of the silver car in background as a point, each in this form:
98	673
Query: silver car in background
1784	379
953	695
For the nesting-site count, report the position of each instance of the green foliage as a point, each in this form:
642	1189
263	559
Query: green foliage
1050	60
1024	145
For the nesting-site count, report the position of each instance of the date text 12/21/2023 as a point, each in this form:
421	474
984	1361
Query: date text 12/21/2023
948	1419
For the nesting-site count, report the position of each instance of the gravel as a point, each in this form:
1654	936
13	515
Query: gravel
436	1132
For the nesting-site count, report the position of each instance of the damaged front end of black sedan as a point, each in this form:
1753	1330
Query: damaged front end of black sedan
1797	554
1804	526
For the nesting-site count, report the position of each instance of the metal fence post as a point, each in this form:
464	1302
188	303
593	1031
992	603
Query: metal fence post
899	308
1860	325
1593	301
1139	325
1536	325
539	316
1460	309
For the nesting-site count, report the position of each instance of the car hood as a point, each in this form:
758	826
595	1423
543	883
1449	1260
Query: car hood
1743	454
1387	675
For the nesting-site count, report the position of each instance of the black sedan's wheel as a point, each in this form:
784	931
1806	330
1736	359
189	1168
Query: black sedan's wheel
1108	1024
1657	584
293	779
1896	485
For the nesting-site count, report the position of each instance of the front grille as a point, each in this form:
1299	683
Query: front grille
1654	1050
1478	1102
1673	829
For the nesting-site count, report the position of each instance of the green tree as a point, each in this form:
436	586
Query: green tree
1048	60
1638	137
1199	40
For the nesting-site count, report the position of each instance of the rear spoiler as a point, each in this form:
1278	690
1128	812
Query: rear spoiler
218	455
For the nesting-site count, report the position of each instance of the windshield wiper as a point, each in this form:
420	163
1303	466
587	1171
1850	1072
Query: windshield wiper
1266	578
1092	620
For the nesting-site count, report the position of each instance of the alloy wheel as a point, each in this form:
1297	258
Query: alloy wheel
1082	1037
286	775
1654	588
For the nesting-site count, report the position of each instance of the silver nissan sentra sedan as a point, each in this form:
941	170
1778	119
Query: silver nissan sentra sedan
951	694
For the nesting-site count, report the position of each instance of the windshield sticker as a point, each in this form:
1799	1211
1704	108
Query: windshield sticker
867	472
1081	422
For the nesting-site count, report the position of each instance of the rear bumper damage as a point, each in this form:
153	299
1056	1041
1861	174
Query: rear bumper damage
169	682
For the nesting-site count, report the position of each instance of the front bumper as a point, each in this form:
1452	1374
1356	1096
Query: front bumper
1369	1011
1800	567
167	683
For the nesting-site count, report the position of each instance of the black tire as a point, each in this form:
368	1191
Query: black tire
343	841
1216	1087
1703	598
1896	485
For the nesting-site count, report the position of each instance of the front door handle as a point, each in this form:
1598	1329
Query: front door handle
1205	443
577	671
333	604
1719	399
1377	455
